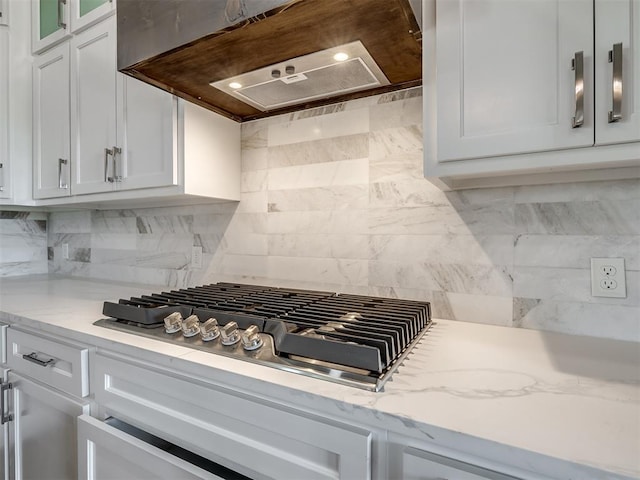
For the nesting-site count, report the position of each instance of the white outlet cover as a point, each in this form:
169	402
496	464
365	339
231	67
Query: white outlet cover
608	278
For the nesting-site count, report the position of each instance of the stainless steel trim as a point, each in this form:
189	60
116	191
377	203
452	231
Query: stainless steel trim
116	151
33	358
577	65
107	152
615	57
8	417
61	24
61	184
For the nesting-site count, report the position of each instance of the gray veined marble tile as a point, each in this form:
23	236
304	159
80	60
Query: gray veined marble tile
443	249
345	172
103	224
315	128
253	202
407	111
339	197
346	147
398	168
442	219
215	223
23	268
253	135
618	322
254	159
395	141
451	278
319	246
164	224
253	181
579	192
322	270
575	251
605	217
332	222
70	222
243	223
117	241
23	227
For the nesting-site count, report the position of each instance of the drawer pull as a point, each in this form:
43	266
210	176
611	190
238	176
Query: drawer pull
577	65
8	417
615	57
33	358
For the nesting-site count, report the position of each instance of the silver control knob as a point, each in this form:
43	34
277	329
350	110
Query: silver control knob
191	326
230	334
251	338
209	330
173	322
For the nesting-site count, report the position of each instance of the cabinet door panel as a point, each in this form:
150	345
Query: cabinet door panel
146	131
93	107
618	21
50	22
503	86
42	434
51	123
107	453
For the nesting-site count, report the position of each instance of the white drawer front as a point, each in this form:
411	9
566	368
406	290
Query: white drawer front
251	436
61	365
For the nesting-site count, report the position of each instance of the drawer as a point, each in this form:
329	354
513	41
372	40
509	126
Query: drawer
251	436
60	364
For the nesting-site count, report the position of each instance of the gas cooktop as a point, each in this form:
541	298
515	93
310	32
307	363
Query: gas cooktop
350	339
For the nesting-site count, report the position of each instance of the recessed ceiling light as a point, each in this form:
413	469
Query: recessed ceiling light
235	85
340	57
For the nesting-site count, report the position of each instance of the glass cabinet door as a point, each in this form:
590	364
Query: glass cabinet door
50	23
85	13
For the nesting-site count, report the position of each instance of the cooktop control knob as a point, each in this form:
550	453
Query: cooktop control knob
191	326
209	330
230	334
251	338
173	322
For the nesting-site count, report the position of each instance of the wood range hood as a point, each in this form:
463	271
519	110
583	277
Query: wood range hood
283	49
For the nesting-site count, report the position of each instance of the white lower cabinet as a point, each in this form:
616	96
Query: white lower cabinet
250	436
106	453
42	430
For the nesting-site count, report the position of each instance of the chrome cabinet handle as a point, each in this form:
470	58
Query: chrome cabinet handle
116	151
107	152
61	184
615	57
33	358
8	417
61	24
577	65
2	178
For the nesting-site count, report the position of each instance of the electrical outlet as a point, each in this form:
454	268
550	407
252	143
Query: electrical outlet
65	251
608	278
196	256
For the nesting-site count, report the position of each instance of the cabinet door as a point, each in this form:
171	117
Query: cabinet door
42	434
85	13
4	113
106	453
617	22
504	78
146	132
50	23
93	107
421	465
51	123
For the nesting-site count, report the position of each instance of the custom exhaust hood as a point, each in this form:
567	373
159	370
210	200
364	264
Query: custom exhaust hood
248	59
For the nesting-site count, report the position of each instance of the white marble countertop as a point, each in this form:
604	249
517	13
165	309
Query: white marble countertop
543	403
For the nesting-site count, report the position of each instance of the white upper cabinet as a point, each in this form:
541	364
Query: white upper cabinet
93	107
505	83
51	149
515	92
55	20
617	71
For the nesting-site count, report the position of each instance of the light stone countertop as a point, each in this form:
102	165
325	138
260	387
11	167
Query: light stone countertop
547	404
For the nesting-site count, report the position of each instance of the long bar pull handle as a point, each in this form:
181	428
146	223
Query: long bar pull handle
61	183
33	358
61	24
615	57
8	417
107	152
2	177
577	65
116	151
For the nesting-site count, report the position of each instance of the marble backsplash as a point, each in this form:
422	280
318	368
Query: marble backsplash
23	243
334	198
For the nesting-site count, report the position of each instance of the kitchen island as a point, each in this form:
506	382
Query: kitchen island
530	404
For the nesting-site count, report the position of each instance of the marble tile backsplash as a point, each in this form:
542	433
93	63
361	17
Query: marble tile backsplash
23	243
334	198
